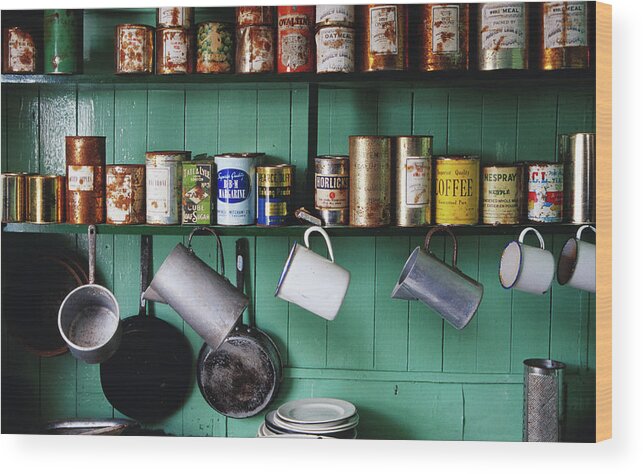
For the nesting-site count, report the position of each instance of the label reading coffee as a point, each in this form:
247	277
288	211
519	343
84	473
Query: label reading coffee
417	181
503	26
331	191
565	24
446	29
80	178
383	38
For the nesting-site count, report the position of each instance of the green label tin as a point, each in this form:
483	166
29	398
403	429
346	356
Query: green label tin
197	192
62	41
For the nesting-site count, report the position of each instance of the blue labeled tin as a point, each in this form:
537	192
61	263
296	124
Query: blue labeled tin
274	192
236	201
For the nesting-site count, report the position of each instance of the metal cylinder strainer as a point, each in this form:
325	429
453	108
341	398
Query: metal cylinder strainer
543	400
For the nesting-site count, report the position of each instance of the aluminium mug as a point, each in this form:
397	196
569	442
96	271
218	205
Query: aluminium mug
526	268
577	263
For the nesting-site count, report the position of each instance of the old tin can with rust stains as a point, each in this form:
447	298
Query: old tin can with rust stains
63	41
563	35
255	52
85	158
274	194
197	199
236	183
413	167
335	49
255	16
174	17
444	37
163	182
134	49
384	38
13	197
18	51
503	36
295	39
214	47
578	154
502	194
457	189
545	191
45	199
332	189
125	194
173	51
370	180
335	15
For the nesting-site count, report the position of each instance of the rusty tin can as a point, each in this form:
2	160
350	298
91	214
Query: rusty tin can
134	49
173	51
444	37
413	169
578	154
563	35
13	197
163	173
502	194
125	194
295	39
214	47
174	17
503	36
63	41
457	189
545	191
335	15
255	50
332	189
384	38
236	178
370	180
197	200
18	51
274	194
85	158
45	199
255	16
335	49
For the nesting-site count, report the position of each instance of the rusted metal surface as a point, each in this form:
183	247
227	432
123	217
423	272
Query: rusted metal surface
503	36
174	17
335	15
255	16
85	159
545	191
413	179
384	38
45	199
255	51
335	49
13	197
163	173
563	35
173	51
457	189
134	49
125	194
444	37
295	39
214	47
502	194
19	51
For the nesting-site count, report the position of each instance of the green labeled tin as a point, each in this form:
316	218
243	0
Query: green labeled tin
197	199
63	41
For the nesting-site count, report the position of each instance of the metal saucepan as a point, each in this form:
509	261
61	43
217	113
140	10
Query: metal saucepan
90	426
242	376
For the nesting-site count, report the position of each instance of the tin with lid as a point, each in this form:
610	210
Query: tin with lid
332	185
45	199
502	194
274	194
134	49
295	39
384	38
85	158
335	49
19	53
236	183
545	191
214	47
444	37
125	194
563	35
457	189
163	173
173	51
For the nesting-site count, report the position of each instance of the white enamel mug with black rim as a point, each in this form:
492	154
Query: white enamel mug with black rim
577	262
527	268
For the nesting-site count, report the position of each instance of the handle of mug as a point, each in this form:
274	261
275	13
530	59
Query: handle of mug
91	244
582	228
443	228
524	232
219	246
318	229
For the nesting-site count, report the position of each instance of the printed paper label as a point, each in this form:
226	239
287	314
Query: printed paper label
446	29
172	16
176	49
331	191
119	204
159	190
335	50
565	24
417	181
383	38
503	26
21	53
80	178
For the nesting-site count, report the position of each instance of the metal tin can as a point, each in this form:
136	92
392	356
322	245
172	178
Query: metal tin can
63	41
18	51
295	35
335	49
236	201
545	191
125	194
13	197
502	193
332	189
578	154
45	199
413	180
444	37
370	181
197	202
173	51
85	158
255	16
384	38
134	49
174	17
255	50
274	194
163	172
563	35
214	47
335	15
457	189
503	36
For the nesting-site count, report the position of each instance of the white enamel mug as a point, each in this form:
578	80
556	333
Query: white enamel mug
526	268
313	282
577	263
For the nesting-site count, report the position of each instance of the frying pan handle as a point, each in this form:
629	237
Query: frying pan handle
241	265
219	246
91	244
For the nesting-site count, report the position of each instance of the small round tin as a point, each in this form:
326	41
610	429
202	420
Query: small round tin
295	38
174	17
255	52
457	185
335	15
214	47
502	194
335	49
274	194
163	173
384	38
173	51
18	51
134	49
13	197
255	16
45	199
236	175
125	194
332	189
545	191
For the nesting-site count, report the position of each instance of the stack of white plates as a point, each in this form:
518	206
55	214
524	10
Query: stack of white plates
312	418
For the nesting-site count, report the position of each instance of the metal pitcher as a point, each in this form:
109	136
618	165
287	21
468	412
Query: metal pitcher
441	287
203	297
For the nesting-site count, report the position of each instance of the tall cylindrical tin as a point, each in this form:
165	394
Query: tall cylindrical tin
444	36
255	16
63	41
384	38
214	47
370	181
18	51
173	51
457	189
543	400
295	39
563	35
45	199
255	50
197	199
578	154
163	172
413	180
332	189
236	201
503	36
502	194
335	15
125	194
274	194
174	17
335	49
85	157
545	191
13	197
134	49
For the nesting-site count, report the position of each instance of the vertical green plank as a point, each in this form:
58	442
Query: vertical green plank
130	126
394	112
57	120
536	126
21	127
58	396
299	137
499	125
324	119
4	158
166	120
237	121
430	115
353	112
201	110
591	338
575	111
96	116
465	121
493	412
273	124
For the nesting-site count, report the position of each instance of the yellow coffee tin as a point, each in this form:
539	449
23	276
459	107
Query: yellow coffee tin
457	189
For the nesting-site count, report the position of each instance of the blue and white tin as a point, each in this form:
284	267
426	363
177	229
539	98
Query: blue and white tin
236	188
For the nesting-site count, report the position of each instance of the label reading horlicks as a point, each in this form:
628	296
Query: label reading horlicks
234	197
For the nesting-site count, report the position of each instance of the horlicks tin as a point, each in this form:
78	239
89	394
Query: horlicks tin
332	189
545	186
274	194
236	202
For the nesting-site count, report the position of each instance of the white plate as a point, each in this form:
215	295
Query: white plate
316	410
332	427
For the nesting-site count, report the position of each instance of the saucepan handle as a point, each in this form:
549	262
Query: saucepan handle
219	246
91	244
524	232
582	228
443	228
318	229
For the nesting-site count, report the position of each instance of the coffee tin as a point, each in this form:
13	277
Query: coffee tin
214	47
255	52
125	194
578	154
444	36
63	41
295	39
163	173
545	192
173	51
45	199
197	201
274	194
18	51
174	17
335	49
457	185
332	189
502	194
134	49
255	16
13	197
85	158
236	201
412	156
503	36
384	38
563	35
335	15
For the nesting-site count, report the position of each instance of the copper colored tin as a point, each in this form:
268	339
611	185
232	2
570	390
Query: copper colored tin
255	16
502	194
214	47
563	35
134	49
85	157
444	36
13	197
174	17
503	36
457	189
384	38
255	49
45	199
125	194
295	39
18	51
173	51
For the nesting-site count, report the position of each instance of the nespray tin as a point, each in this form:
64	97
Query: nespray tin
384	38
163	173
125	194
85	159
197	199
332	189
444	37
502	194
63	41
545	192
295	39
274	194
236	177
18	51
413	174
457	189
503	36
134	49
563	35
